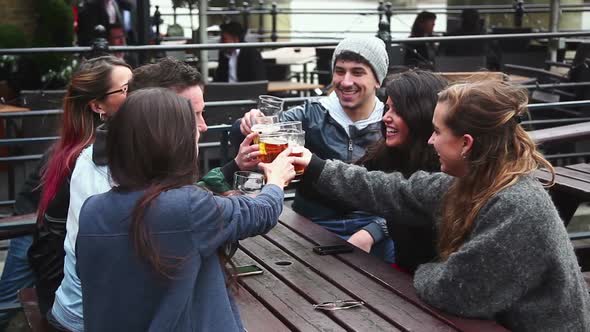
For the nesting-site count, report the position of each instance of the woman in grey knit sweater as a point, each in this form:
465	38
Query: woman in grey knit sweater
503	252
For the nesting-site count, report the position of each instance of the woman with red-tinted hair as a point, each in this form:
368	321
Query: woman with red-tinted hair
95	92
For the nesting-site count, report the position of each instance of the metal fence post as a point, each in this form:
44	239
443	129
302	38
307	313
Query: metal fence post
380	10
100	45
203	54
518	13
384	34
273	13
260	20
246	16
554	27
157	21
143	26
388	12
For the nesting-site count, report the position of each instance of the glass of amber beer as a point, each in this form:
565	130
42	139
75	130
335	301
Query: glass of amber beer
264	125
270	145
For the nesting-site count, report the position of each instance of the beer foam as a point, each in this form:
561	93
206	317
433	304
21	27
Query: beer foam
262	128
274	140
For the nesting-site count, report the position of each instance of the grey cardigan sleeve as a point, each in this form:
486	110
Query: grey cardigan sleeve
414	200
503	258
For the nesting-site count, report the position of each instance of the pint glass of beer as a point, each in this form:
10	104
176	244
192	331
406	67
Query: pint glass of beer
265	125
271	145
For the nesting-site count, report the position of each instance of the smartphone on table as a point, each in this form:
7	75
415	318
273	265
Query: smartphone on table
248	270
333	249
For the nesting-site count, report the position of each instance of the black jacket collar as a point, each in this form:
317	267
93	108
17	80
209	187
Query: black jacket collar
99	150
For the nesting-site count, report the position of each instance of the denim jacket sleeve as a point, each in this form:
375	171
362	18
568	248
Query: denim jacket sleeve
216	220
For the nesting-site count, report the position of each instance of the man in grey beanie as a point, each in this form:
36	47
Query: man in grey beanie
341	126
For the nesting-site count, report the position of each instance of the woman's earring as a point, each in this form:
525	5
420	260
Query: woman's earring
103	117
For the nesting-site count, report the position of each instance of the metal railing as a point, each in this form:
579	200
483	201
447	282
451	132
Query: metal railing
224	128
261	9
187	47
387	10
223	144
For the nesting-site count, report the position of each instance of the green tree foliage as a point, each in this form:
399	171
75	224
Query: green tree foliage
55	27
12	36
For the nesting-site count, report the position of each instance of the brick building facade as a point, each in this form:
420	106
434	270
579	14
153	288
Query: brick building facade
20	13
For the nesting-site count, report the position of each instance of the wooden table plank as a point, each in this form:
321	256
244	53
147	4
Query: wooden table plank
561	133
473	76
378	297
285	303
255	316
11	108
585	168
312	286
290	55
570	184
399	282
287	86
575	175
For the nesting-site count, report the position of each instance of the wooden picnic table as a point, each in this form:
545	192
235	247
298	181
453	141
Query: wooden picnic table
572	186
11	108
295	278
290	55
561	133
288	86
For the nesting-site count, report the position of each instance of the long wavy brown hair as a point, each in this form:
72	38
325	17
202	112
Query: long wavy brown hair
502	151
91	81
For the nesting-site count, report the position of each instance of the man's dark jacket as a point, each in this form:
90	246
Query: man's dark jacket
250	66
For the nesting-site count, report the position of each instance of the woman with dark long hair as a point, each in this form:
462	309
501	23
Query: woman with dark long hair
502	250
421	54
407	124
148	250
404	148
95	92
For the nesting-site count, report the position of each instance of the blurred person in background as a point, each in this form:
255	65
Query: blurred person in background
238	64
421	54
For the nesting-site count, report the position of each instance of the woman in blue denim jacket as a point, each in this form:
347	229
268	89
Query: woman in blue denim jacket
149	251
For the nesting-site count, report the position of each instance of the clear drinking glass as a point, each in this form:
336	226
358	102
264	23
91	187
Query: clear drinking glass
264	125
296	141
270	105
248	183
290	126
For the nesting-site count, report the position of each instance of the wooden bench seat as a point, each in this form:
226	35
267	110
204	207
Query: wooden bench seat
15	226
30	304
561	133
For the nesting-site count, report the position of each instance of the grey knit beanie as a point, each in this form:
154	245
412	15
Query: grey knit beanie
370	48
